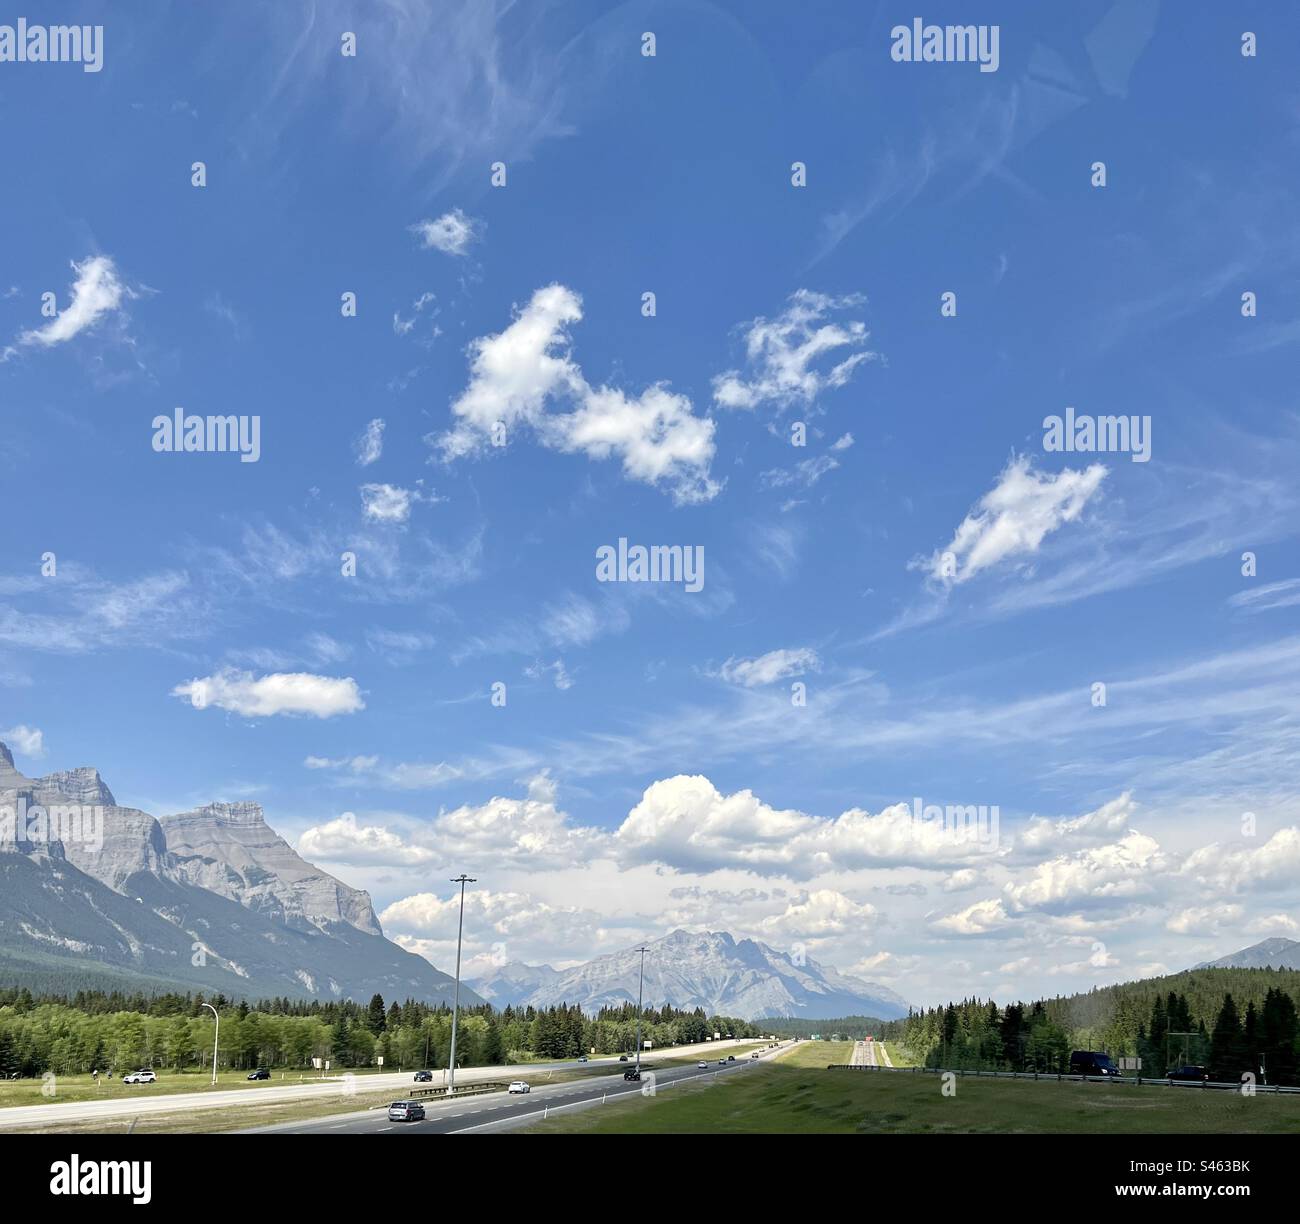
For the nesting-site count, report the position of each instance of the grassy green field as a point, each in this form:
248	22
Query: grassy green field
784	1097
83	1088
816	1054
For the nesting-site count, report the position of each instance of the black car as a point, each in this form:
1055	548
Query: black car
631	1074
622	1058
424	1077
1091	1062
1190	1074
260	1074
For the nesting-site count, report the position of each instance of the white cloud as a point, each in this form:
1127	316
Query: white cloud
1204	920
453	233
1122	869
1100	825
529	834
982	918
1275	863
515	373
279	693
821	914
961	880
557	671
370	445
686	823
770	667
1284	594
1013	518
385	503
96	292
25	740
357	764
781	354
345	841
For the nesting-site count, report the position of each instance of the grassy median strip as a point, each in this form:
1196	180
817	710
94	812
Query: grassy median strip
784	1097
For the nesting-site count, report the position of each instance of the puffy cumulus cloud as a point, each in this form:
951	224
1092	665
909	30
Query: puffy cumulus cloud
1123	869
1274	924
686	823
530	834
453	233
345	841
499	927
821	914
370	445
1013	519
1204	920
785	356
770	667
1100	825
96	292
251	696
982	918
961	881
517	373
26	741
1275	864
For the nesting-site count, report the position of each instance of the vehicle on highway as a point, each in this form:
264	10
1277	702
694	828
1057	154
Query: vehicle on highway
731	1058
722	1062
1092	1062
622	1058
631	1074
754	1055
582	1058
703	1066
406	1111
517	1086
262	1073
1190	1074
424	1077
140	1077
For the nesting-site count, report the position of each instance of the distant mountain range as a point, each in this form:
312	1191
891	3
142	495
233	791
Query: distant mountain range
713	971
1268	954
211	900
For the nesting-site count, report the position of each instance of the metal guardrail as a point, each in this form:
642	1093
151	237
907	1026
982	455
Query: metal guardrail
440	1090
1059	1077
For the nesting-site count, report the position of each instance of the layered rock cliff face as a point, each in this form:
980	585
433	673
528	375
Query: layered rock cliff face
213	899
229	849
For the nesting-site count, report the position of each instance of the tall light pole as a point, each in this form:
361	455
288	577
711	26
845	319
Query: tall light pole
216	1039
639	989
462	880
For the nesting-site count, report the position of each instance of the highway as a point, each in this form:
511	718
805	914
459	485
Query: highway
22	1117
497	1112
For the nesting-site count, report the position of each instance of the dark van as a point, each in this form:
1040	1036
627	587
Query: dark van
1090	1062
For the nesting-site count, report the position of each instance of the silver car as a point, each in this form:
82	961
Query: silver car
406	1111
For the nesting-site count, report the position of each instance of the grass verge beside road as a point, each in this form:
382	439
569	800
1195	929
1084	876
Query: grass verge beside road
784	1097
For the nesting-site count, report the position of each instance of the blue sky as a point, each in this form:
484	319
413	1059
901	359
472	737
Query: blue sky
1121	845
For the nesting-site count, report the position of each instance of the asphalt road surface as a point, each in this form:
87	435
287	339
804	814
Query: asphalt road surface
499	1112
20	1117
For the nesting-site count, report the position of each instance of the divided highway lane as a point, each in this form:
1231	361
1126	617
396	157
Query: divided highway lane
19	1117
497	1111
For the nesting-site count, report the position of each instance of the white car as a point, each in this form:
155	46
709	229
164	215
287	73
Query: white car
140	1077
518	1086
703	1066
